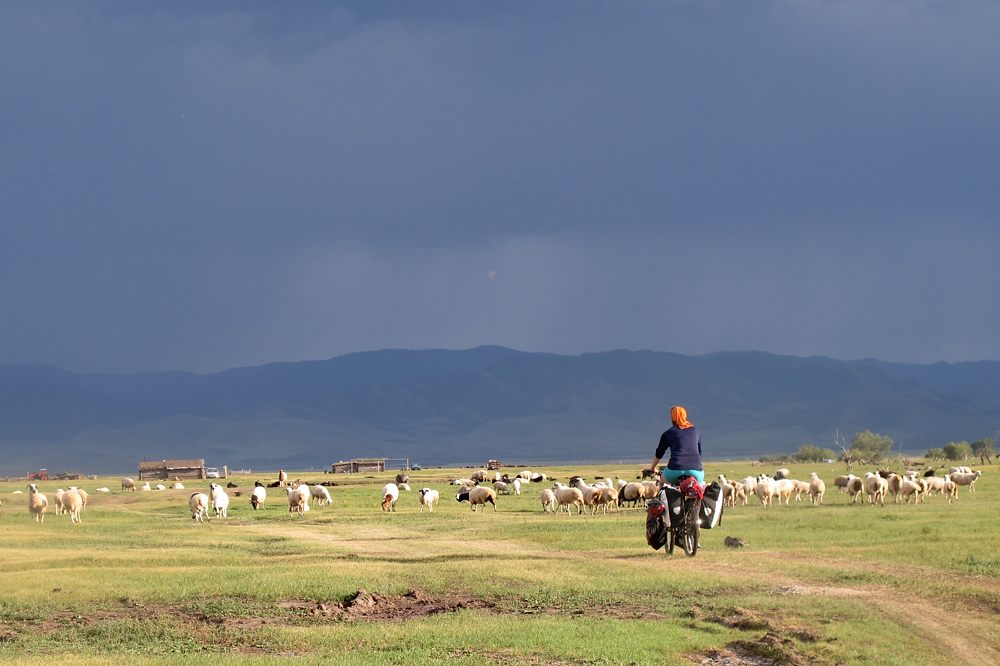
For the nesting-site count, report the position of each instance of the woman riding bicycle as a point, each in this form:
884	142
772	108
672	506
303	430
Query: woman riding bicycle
684	442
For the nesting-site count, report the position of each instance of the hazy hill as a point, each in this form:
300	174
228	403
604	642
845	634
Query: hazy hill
455	406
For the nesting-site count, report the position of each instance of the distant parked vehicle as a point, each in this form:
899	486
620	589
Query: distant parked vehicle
211	472
40	475
415	468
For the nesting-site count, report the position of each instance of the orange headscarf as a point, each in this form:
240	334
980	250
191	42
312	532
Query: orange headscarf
679	416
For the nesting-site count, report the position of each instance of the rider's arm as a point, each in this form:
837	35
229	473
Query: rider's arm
660	450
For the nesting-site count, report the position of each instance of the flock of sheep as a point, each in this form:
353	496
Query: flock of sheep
483	487
875	486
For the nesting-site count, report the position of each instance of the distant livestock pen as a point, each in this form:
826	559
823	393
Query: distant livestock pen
171	469
355	465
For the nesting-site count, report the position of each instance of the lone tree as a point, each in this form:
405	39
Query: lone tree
935	454
957	451
813	453
870	447
984	449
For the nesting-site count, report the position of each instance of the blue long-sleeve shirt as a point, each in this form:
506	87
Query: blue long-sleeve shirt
685	448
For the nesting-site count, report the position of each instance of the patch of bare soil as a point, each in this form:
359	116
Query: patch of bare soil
820	591
364	605
776	647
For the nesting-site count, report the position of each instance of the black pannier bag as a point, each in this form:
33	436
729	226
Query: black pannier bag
672	497
657	525
712	505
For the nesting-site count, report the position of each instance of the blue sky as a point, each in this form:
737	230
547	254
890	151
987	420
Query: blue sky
184	187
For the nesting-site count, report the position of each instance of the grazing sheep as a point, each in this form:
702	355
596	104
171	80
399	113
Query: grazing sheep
465	483
960	470
479	475
177	486
160	486
220	500
321	495
37	503
841	482
910	489
128	485
934	484
102	489
282	478
516	484
402	478
539	477
524	474
782	473
785	487
549	503
895	481
766	489
950	489
817	488
390	494
198	503
72	504
966	478
58	501
632	492
856	488
478	496
876	487
83	495
650	489
404	487
501	488
145	487
801	487
298	499
258	496
589	493
570	497
749	484
606	496
429	497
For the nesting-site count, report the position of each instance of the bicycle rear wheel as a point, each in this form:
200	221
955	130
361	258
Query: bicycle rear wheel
691	528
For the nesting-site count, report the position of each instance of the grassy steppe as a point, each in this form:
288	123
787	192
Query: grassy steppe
832	584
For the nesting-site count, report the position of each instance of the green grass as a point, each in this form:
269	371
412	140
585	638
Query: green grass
831	584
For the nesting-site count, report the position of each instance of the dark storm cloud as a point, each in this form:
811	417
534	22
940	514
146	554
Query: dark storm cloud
197	185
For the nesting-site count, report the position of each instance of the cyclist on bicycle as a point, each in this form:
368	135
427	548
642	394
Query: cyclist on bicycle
684	442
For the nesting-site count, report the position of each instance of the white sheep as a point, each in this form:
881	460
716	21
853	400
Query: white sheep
72	503
465	483
524	474
258	495
549	503
429	497
876	487
57	501
479	475
960	470
801	488
516	484
321	495
145	487
782	473
220	500
567	497
198	503
177	486
37	503
784	487
404	486
765	489
539	477
298	500
390	494
83	495
128	485
910	489
855	488
817	488
589	493
631	492
501	488
102	489
160	486
478	496
966	478
606	496
950	489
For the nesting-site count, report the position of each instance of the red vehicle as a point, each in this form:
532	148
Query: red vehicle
40	475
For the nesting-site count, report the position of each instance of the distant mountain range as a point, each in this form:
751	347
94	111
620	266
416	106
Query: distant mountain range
440	407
